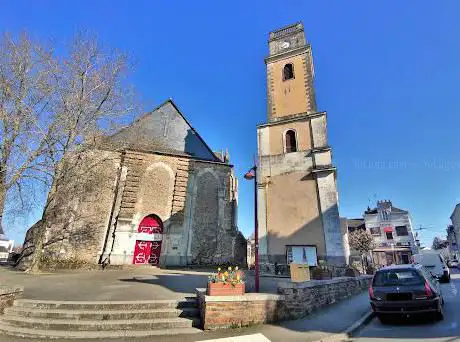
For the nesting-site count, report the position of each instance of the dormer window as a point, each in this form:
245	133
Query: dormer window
290	141
288	72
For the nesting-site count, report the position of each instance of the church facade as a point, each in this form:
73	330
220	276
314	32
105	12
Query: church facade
297	193
153	193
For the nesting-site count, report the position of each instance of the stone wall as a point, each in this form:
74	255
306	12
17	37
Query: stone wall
79	210
302	298
97	215
294	300
220	312
194	199
8	295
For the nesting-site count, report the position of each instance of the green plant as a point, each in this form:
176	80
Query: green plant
231	276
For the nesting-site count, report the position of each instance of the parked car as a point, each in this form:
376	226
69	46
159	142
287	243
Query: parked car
405	290
435	264
452	263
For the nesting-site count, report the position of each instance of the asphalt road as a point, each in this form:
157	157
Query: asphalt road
421	328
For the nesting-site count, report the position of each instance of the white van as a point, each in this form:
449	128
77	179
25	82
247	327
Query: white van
435	264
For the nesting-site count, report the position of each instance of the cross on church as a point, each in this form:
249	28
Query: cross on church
166	119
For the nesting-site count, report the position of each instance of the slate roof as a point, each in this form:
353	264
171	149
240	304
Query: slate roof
165	130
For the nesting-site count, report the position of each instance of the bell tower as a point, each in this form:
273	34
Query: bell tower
297	193
290	73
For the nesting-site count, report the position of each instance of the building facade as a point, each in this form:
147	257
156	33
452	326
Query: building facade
251	252
452	242
153	193
297	194
393	236
6	246
455	219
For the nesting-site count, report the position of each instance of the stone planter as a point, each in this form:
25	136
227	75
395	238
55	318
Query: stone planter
221	289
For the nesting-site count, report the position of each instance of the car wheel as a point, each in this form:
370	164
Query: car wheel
440	314
384	319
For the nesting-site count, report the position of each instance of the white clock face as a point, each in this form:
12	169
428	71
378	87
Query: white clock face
285	45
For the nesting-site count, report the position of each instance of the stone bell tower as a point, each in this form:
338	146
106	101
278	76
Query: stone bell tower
298	202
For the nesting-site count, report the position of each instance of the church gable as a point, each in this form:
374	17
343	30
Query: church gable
166	130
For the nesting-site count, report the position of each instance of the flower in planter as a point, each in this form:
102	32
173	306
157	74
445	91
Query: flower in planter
232	276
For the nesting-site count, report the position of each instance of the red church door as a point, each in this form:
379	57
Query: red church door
147	249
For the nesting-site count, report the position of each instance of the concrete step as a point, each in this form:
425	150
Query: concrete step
103	315
109	305
11	330
112	325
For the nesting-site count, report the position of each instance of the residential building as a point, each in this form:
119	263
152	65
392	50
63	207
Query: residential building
455	219
391	229
6	246
452	242
152	193
251	251
298	211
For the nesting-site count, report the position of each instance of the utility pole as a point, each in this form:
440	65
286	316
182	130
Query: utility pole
417	240
252	175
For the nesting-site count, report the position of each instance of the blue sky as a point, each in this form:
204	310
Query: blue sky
387	73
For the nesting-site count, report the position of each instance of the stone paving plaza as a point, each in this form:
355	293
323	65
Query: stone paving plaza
141	283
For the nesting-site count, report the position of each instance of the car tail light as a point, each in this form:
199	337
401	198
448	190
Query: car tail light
371	292
428	291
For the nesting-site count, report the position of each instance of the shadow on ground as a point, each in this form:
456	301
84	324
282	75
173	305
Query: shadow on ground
177	282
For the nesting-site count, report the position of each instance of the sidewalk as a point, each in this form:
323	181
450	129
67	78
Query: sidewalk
322	324
143	283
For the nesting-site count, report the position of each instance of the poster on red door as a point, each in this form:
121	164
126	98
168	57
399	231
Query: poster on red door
148	251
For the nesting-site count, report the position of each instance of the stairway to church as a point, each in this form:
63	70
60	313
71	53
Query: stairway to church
69	319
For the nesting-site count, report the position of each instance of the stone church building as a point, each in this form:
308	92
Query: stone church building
297	194
154	193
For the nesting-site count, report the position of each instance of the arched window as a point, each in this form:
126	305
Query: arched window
288	72
291	143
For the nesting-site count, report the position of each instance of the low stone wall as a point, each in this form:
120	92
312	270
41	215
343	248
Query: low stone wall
8	295
294	300
300	299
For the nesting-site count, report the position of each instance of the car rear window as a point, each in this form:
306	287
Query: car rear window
398	278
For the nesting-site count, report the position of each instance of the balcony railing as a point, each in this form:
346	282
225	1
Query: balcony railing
390	245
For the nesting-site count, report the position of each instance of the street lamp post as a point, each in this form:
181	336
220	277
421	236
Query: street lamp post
252	174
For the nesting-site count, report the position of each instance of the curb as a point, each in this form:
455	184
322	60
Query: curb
346	334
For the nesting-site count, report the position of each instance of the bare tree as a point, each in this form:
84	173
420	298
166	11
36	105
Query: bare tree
54	110
90	96
25	90
362	241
